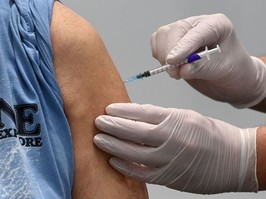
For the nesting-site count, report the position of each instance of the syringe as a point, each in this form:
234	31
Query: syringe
191	58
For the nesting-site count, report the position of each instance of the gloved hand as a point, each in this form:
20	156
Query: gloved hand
180	149
232	76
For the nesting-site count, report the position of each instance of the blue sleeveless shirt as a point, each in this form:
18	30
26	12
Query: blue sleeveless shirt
36	155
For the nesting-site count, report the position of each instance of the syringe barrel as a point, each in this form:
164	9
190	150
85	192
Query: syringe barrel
190	59
160	69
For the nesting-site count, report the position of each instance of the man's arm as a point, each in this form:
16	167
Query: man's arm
89	82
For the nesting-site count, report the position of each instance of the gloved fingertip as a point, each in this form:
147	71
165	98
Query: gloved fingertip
154	45
99	140
97	120
114	161
170	58
114	107
100	121
119	109
118	164
104	142
109	108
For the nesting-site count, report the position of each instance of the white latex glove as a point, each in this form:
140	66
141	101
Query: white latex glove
180	149
232	76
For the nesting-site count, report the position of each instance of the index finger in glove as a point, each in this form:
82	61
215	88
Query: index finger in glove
206	30
166	38
159	45
145	113
135	131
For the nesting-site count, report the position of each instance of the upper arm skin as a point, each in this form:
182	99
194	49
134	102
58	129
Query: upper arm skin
89	82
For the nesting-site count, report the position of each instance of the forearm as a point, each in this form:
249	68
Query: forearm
262	105
261	157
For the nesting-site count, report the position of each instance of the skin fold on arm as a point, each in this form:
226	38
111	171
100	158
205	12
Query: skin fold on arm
89	82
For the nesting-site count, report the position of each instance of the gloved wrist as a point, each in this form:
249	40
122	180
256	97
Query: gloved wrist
248	164
255	92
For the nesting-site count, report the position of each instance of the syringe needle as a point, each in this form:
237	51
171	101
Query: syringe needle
131	79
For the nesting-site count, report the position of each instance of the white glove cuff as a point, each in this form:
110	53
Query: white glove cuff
247	174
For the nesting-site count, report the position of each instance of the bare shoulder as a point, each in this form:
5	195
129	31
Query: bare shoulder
80	54
69	31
